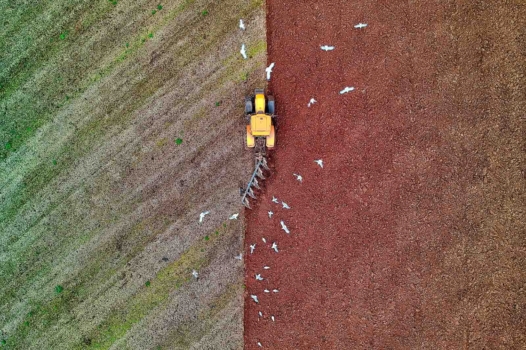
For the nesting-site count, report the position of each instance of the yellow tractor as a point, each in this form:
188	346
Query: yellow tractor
259	112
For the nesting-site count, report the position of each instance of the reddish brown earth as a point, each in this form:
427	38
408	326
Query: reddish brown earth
412	235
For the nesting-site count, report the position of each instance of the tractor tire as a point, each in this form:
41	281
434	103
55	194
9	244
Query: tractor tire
271	105
249	106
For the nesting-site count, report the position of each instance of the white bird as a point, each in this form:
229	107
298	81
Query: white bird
360	25
269	70
255	298
259	278
311	102
284	227
320	162
346	90
252	247
260	314
272	318
270	214
266	267
243	52
239	257
234	216
298	177
275	290
266	291
285	205
195	274
259	344
275	200
202	216
241	24
275	247
327	48
263	239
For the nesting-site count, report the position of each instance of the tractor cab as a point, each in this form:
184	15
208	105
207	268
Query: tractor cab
260	124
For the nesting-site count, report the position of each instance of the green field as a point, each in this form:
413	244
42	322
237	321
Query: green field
116	127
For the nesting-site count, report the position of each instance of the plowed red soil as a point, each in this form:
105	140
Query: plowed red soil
411	236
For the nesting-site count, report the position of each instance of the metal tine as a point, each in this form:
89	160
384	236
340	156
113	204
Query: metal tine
259	174
264	164
246	203
256	184
251	193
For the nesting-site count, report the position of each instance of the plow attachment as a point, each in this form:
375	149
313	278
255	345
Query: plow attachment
261	163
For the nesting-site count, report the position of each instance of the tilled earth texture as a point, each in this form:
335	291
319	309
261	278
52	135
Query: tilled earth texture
117	121
412	234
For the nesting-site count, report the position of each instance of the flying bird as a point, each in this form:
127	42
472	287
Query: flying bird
234	216
255	298
285	205
239	257
270	214
346	90
259	278
269	70
260	314
243	52
284	227
275	200
241	24
266	291
327	48
272	318
311	102
252	247
298	177
263	239
320	162
266	267
275	290
275	247
195	274
259	344
360	25
202	216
